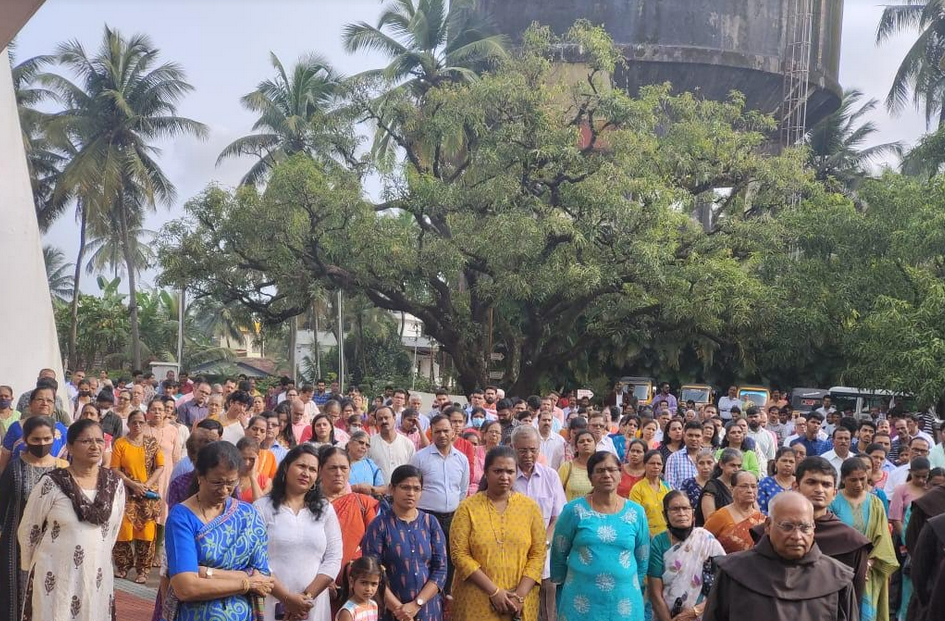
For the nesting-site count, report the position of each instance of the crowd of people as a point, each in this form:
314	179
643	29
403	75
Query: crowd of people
303	503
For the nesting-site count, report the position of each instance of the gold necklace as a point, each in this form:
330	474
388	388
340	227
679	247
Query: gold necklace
501	516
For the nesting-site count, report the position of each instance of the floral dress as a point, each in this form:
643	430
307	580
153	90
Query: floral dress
601	561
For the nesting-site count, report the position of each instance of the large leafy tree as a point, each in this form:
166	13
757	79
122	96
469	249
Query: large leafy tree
921	71
118	104
291	107
561	225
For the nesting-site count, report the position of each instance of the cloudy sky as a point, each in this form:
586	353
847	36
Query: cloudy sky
224	46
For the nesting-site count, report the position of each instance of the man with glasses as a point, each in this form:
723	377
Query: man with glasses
597	423
918	447
541	484
754	584
195	410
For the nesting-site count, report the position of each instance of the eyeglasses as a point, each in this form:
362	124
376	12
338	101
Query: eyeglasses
787	528
222	484
612	471
747	486
679	509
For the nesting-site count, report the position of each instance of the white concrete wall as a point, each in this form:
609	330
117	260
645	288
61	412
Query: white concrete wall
27	327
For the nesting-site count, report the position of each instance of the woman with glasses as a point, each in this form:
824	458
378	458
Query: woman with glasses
217	557
365	477
732	524
138	460
410	544
678	576
305	546
42	402
600	550
215	408
66	536
650	491
16	483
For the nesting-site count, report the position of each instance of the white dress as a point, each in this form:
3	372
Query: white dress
70	560
300	548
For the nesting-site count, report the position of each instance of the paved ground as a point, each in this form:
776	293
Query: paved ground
135	602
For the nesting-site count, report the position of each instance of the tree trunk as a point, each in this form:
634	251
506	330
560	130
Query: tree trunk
132	290
74	317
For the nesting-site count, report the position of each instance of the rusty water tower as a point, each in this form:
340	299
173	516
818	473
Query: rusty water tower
783	55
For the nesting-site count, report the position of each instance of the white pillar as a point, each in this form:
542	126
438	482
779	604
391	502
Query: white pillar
27	327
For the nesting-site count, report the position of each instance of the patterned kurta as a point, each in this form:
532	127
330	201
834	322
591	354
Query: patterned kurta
16	483
504	546
601	561
69	561
413	553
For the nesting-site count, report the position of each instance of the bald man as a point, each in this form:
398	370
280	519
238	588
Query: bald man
785	576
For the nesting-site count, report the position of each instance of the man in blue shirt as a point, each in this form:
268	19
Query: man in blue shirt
445	477
814	445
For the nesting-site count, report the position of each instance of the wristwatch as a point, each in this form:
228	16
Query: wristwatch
209	572
420	602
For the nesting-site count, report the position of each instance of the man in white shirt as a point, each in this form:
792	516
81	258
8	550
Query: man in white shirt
552	444
541	484
763	438
842	439
918	447
729	401
389	449
826	407
597	423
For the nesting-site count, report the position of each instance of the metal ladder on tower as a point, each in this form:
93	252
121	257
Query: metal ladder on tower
796	72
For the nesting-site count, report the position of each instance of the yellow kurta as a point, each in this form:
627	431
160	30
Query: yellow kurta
504	546
652	503
574	479
130	459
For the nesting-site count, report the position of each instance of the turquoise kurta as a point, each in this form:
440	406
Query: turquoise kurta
601	560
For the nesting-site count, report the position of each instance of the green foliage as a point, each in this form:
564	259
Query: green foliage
921	71
503	215
57	273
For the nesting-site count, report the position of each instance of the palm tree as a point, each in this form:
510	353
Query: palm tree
921	71
107	252
428	44
42	158
836	143
57	273
287	107
121	102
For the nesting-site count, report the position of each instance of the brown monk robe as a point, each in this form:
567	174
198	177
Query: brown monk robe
816	481
932	503
928	573
924	511
785	576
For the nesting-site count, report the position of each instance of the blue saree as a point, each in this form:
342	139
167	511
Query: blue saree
236	541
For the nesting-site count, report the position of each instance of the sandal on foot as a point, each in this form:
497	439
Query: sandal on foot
141	579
